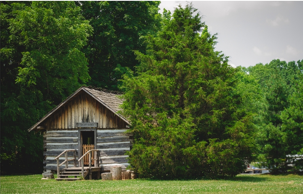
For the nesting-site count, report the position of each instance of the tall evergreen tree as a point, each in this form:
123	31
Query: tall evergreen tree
186	116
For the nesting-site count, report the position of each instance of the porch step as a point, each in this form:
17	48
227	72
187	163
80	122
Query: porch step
72	172
66	174
68	179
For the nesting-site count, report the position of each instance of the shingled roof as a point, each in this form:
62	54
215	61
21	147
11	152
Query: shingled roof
109	99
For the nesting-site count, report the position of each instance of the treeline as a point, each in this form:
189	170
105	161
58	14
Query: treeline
274	94
192	114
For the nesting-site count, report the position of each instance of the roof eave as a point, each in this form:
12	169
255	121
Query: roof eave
67	99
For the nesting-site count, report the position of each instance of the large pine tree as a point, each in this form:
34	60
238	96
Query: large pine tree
186	116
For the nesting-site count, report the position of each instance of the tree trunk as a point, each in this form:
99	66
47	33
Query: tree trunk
126	175
116	172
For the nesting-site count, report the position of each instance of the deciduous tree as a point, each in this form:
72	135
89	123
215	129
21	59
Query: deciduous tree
118	27
281	131
41	64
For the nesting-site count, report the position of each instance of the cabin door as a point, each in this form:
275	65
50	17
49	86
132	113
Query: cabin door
87	143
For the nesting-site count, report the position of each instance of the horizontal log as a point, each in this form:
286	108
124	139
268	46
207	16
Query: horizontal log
61	134
102	161
61	158
114	145
112	152
65	140
55	153
111	134
113	139
111	130
114	160
53	167
60	161
71	130
62	147
104	167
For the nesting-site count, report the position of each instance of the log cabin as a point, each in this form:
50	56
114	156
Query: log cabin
87	120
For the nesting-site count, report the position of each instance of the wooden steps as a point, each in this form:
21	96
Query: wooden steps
78	173
67	173
75	173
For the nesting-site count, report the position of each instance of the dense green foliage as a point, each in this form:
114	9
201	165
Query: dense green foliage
47	49
186	115
276	99
118	27
41	64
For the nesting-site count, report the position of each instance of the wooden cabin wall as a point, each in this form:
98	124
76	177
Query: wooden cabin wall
62	133
55	143
113	145
83	108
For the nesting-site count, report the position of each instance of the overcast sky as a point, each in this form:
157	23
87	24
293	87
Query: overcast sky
253	32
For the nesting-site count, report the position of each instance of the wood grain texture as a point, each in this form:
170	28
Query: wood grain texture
116	172
113	145
106	176
83	108
65	140
113	139
55	153
111	134
114	160
112	152
61	134
62	147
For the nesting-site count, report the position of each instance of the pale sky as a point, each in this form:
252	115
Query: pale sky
252	32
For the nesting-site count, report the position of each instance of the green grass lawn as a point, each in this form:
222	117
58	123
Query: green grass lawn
239	184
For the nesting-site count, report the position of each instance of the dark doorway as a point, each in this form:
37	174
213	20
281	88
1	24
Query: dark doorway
88	137
87	143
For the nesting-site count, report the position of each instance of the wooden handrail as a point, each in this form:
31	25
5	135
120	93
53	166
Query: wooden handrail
96	163
64	152
87	153
66	160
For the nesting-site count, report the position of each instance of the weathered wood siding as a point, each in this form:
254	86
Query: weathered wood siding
55	143
83	108
113	145
62	132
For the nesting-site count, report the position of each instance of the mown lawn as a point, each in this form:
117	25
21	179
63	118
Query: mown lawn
239	184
